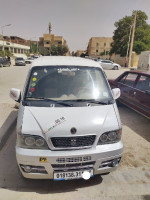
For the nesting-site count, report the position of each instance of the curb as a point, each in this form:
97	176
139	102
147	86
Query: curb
7	128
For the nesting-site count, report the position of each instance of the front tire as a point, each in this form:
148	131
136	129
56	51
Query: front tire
116	67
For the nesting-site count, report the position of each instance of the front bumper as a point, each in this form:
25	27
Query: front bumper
52	161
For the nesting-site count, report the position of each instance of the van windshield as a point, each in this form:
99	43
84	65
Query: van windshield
64	83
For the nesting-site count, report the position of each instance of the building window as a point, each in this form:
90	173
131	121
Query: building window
11	50
47	42
105	44
97	44
60	42
96	50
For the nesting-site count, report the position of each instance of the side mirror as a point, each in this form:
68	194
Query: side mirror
116	93
15	94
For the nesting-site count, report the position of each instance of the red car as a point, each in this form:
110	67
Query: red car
135	90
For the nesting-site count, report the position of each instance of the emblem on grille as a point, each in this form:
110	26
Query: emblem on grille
73	130
73	142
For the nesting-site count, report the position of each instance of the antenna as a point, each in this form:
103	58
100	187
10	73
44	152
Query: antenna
50	27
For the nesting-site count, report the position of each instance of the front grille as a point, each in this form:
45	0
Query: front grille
74	165
74	159
69	142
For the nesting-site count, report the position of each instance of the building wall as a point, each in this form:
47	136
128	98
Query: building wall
17	40
98	45
15	49
79	52
50	39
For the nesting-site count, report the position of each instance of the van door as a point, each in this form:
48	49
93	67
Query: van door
126	85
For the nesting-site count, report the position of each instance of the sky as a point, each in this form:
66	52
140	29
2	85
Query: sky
76	20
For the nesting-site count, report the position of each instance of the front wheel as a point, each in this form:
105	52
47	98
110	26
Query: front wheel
115	67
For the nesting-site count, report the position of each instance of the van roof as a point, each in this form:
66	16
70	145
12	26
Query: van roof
64	61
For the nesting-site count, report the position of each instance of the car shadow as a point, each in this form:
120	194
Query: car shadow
11	178
6	128
135	121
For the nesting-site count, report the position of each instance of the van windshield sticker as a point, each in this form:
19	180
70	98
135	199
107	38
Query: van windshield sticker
56	123
67	69
34	79
33	84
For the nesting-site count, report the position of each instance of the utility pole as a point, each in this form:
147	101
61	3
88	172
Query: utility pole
3	36
132	39
126	59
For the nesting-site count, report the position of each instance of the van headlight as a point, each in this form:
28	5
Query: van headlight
31	142
110	137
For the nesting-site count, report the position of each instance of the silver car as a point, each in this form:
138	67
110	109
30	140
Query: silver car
68	123
20	61
107	64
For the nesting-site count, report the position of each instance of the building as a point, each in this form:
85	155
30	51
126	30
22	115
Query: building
98	46
17	46
80	52
50	39
17	40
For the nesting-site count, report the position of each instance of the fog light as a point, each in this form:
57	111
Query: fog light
33	169
114	162
110	163
27	169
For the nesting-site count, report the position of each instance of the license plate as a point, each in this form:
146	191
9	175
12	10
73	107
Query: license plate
71	174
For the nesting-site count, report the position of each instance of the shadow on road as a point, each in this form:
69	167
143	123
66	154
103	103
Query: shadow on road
6	128
11	178
138	123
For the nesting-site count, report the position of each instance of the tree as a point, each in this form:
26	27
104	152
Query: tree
104	53
121	34
7	53
44	51
33	48
59	50
54	50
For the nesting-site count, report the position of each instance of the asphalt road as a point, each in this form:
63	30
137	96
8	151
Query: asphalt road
130	181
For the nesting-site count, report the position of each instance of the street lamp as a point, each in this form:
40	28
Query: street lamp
3	36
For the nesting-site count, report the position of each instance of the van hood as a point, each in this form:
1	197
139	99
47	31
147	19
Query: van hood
58	121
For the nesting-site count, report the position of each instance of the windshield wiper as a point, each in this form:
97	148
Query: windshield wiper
93	101
49	99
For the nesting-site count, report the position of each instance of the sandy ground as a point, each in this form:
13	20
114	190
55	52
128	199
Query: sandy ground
136	140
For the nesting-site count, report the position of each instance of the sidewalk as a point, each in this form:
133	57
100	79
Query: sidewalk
8	116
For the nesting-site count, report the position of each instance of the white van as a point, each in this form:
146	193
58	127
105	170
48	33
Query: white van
144	61
68	123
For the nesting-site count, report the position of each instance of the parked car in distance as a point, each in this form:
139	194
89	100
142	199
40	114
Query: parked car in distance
29	60
36	56
68	123
107	64
135	90
5	62
20	61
